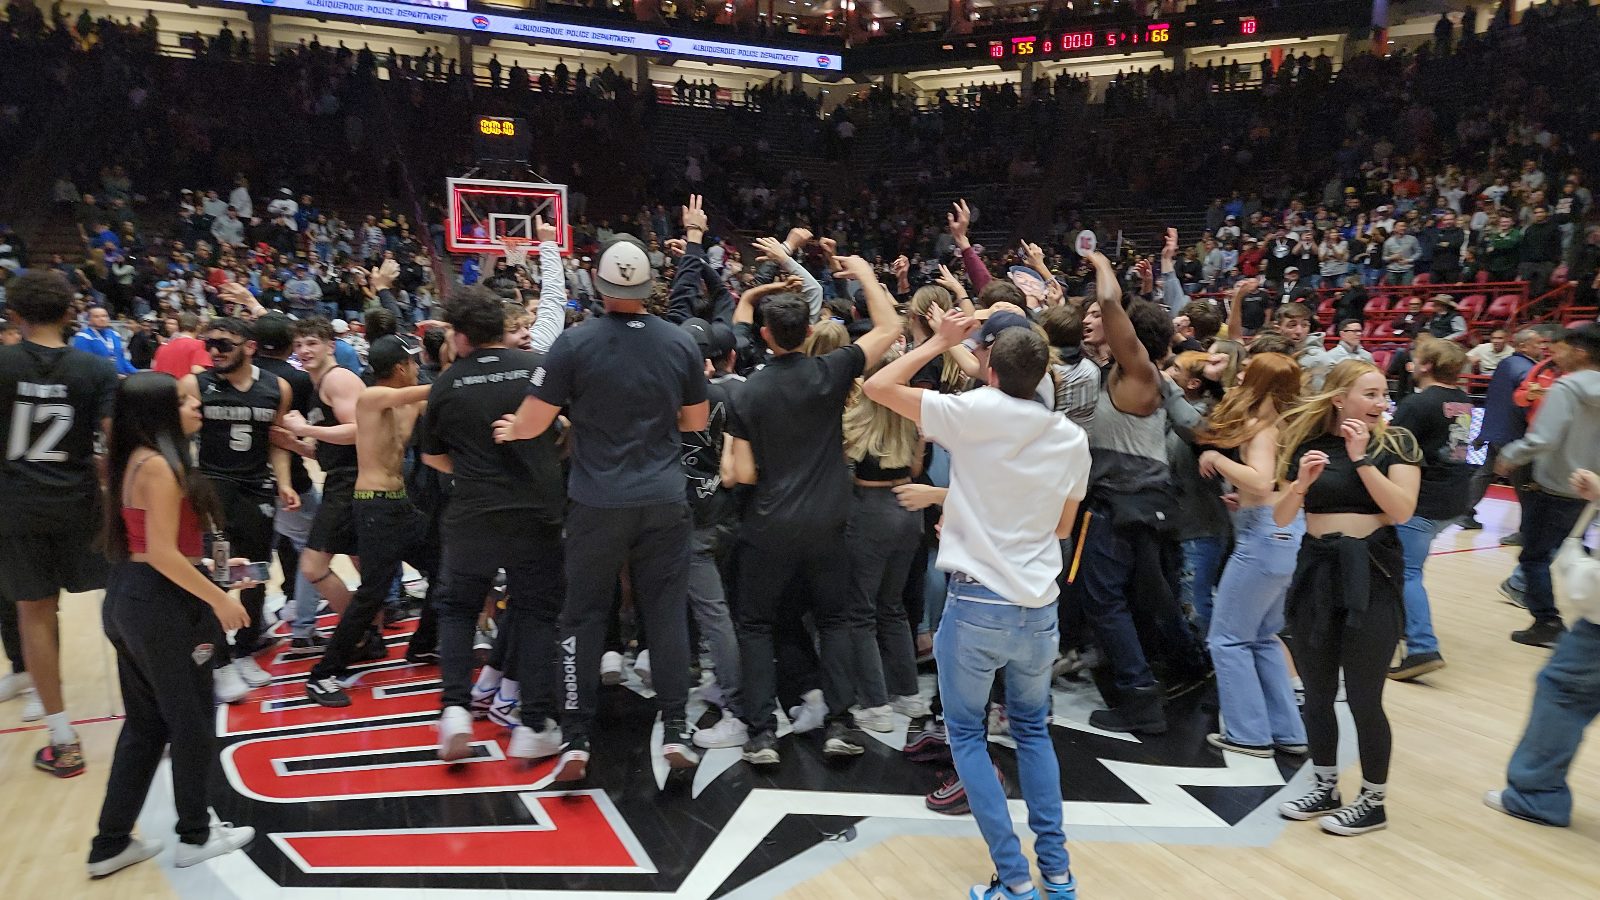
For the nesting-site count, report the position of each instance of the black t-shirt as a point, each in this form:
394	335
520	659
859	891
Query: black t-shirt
1339	488
301	392
702	455
463	405
1441	420
624	378
235	437
52	400
792	413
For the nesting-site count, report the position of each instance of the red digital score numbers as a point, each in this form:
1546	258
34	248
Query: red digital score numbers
1033	45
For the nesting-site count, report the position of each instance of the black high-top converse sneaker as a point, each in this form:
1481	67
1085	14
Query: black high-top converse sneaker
1360	817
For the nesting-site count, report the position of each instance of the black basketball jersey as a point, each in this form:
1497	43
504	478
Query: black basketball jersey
330	457
52	400
235	440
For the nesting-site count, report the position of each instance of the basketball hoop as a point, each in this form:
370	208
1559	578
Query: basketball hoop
516	249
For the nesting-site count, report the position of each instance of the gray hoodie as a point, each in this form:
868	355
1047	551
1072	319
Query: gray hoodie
1565	435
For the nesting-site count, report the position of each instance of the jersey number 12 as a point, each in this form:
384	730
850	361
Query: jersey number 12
26	415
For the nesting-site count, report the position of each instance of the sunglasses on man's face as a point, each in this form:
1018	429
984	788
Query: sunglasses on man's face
222	345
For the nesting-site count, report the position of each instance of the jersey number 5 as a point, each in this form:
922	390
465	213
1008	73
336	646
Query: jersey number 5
240	438
26	415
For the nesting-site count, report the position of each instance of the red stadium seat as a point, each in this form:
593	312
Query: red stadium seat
1482	277
1423	278
1377	306
1471	306
1380	358
1503	307
1578	323
1378	328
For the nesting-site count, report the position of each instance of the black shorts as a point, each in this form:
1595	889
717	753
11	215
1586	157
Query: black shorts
334	528
41	566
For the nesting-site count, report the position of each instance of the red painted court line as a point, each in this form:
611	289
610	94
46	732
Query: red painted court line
21	728
1470	550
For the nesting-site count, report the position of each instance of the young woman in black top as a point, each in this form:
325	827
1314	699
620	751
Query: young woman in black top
1356	478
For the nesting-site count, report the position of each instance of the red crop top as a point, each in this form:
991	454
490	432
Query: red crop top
191	542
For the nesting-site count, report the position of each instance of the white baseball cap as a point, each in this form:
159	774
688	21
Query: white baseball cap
624	270
340	326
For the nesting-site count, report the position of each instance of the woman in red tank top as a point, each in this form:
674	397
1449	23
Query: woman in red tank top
165	618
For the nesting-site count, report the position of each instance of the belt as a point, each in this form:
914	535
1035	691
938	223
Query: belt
378	495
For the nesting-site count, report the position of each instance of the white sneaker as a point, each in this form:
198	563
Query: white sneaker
810	716
15	685
730	732
225	838
251	672
529	744
455	734
137	851
875	718
32	708
912	706
611	667
506	710
228	684
641	667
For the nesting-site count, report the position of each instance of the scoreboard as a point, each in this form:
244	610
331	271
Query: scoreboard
1124	38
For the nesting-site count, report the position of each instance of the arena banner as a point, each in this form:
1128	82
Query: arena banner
535	31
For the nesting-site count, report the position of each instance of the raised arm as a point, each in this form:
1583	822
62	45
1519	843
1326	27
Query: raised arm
1137	389
551	317
778	252
891	385
1241	290
886	324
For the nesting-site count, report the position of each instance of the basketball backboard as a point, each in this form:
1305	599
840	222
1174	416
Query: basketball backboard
483	211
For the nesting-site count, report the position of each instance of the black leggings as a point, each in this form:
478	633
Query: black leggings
1363	652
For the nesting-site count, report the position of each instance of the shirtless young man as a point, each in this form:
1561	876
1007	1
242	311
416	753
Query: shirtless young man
388	526
332	424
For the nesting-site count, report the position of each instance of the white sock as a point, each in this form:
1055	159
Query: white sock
509	690
1024	888
488	678
60	729
1381	790
1326	773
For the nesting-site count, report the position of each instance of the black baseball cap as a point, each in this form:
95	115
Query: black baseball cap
392	350
997	323
715	339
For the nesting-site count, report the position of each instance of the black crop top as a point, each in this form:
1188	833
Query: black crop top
869	469
1339	489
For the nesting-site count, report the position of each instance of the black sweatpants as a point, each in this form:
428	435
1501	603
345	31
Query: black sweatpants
653	541
1325	641
389	531
164	638
247	513
475	548
819	566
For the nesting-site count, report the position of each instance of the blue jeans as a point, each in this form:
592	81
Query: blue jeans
1565	700
1416	539
1202	556
975	640
1546	520
296	526
1253	686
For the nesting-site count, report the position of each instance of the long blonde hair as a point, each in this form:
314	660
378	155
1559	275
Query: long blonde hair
872	429
1271	376
922	302
825	337
1316	416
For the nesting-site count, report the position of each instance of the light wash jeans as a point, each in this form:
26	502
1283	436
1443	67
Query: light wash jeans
975	640
1258	706
1566	699
296	526
1416	539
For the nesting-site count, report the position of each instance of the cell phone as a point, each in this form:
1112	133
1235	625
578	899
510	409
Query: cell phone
256	571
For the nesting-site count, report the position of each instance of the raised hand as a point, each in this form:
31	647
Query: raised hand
544	230
1169	247
950	282
1034	255
384	278
694	215
772	249
954	326
676	247
959	220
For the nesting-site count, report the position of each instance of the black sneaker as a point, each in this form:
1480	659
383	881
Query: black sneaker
422	657
1514	596
1540	634
1139	712
1322	798
1416	665
1470	523
1360	817
1514	539
371	649
677	746
842	740
950	798
761	749
327	692
312	641
574	762
400	612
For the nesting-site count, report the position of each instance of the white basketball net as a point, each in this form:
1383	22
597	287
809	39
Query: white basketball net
516	251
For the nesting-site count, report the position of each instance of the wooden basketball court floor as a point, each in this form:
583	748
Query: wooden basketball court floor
1453	734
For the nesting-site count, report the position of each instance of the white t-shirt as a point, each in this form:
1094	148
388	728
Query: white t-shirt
1013	466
